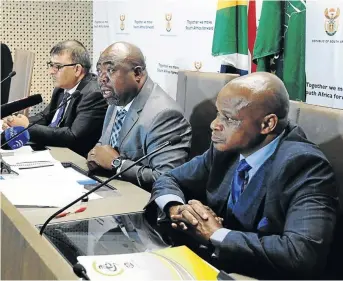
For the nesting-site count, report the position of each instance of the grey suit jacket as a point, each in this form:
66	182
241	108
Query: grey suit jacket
153	118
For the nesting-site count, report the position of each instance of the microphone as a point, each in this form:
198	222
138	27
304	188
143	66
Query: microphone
13	138
11	107
10	75
173	140
74	95
80	271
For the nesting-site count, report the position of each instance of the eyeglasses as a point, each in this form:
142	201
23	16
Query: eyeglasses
57	67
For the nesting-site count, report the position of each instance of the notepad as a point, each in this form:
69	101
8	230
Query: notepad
29	163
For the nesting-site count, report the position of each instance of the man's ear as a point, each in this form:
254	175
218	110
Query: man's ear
138	71
78	70
269	124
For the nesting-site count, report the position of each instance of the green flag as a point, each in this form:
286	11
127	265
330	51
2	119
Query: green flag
280	44
230	38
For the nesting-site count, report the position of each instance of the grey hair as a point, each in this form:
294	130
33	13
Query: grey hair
77	51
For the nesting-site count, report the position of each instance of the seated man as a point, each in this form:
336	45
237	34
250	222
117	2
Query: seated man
263	197
141	116
77	125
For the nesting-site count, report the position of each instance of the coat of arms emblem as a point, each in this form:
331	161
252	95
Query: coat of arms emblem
198	65
332	20
122	23
168	23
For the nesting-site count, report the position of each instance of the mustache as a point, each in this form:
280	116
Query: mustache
113	99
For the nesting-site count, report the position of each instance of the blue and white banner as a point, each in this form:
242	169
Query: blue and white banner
173	35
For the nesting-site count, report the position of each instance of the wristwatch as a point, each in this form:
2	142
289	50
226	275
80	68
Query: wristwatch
116	163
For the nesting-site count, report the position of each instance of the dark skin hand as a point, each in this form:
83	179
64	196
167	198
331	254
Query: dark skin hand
101	156
197	217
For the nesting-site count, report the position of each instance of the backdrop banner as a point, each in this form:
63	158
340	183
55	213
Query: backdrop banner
172	35
324	53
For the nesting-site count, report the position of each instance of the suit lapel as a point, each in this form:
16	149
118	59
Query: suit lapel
70	107
225	189
69	110
129	122
57	96
247	208
135	109
109	123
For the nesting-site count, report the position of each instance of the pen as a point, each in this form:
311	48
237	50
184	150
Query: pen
29	162
42	166
64	214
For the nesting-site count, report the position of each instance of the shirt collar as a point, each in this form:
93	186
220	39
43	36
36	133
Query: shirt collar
258	158
72	90
126	107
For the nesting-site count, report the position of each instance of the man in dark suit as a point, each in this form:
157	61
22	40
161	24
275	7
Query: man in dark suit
78	124
141	117
263	197
6	68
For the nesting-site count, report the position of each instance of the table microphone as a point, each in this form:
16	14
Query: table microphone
72	96
173	140
10	75
17	140
15	106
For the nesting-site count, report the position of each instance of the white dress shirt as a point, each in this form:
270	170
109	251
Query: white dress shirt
70	91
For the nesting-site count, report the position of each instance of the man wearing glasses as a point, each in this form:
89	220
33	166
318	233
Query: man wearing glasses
77	123
141	116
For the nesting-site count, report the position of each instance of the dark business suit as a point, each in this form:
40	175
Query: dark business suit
81	126
6	68
153	118
283	223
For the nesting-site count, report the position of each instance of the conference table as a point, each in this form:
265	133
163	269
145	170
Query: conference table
26	255
126	198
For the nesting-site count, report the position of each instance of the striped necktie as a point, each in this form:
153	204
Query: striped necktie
238	180
118	123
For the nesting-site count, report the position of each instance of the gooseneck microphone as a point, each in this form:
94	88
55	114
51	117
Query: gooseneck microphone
10	75
14	106
73	96
173	140
80	271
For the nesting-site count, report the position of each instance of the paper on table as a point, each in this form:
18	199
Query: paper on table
177	263
29	158
42	192
139	266
34	164
16	152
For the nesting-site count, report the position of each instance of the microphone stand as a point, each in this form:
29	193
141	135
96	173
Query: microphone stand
34	123
10	75
80	271
172	141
